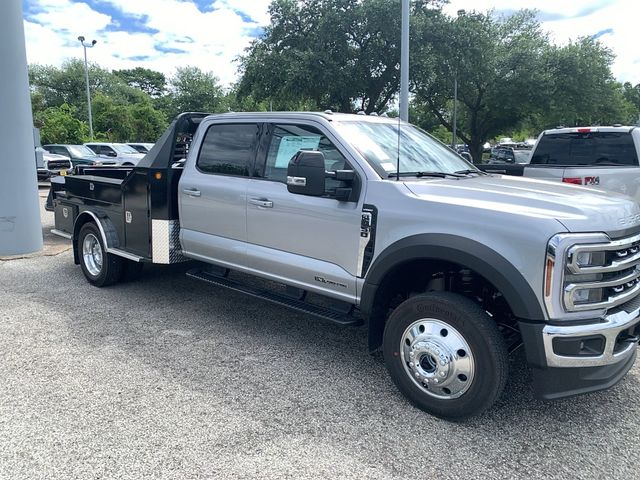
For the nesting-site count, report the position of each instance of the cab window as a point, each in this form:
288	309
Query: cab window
287	140
228	149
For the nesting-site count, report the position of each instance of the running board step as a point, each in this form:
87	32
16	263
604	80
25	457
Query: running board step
286	301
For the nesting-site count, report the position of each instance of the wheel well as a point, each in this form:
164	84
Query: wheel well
423	275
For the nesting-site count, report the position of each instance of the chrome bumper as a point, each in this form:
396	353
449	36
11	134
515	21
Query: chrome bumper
609	328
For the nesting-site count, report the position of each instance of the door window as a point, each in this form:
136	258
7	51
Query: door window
228	149
287	140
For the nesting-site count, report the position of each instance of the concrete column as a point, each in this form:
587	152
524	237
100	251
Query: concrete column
20	227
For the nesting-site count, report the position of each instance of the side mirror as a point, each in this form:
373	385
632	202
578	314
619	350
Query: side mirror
306	173
111	154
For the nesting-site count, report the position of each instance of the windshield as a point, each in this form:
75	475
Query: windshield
81	151
122	148
378	144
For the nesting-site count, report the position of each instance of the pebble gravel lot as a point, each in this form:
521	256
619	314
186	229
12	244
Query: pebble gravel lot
167	377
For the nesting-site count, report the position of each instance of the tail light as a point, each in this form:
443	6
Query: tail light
573	180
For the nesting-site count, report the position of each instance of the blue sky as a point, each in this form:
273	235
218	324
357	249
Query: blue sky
165	34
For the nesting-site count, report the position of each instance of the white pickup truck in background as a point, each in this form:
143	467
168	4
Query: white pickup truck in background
600	157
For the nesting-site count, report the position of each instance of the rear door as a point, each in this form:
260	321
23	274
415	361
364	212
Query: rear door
213	194
607	160
310	242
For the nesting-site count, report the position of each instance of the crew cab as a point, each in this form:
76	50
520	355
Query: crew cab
450	268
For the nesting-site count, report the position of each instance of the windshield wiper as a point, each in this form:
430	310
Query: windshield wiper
470	171
426	174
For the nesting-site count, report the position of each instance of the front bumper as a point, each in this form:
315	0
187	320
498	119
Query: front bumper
573	359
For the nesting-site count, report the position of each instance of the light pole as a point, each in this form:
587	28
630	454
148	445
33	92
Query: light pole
454	140
86	79
404	63
455	110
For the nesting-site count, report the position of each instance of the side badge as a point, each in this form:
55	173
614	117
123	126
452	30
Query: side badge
127	216
65	212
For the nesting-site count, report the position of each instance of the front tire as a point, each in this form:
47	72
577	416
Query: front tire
445	354
99	267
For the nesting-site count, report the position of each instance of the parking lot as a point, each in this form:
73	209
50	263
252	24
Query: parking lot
170	378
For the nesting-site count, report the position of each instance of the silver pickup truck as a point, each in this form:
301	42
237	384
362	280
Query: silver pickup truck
594	157
366	220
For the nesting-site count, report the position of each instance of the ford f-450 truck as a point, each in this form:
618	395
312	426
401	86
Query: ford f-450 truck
365	219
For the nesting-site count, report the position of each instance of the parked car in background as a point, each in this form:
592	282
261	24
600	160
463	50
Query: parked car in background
141	147
508	161
598	157
122	153
79	154
49	164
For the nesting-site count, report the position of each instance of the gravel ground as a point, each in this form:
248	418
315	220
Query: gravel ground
168	377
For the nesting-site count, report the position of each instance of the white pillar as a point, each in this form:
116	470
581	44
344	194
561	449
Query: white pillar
20	227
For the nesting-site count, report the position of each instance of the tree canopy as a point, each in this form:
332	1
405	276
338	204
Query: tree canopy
344	55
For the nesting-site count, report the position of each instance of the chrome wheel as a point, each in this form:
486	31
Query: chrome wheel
437	358
92	254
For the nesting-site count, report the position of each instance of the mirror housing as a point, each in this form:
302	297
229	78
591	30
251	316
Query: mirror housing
306	173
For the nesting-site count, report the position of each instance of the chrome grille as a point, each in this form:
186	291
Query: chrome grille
58	164
615	275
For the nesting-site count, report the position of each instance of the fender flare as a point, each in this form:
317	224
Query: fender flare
465	252
107	231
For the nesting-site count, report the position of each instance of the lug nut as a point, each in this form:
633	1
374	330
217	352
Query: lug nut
442	374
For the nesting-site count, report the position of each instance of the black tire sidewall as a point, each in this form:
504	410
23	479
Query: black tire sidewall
482	336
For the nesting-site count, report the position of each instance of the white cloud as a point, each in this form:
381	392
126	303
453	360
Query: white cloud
185	35
583	18
212	39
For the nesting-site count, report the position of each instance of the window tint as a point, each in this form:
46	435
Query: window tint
228	149
287	140
58	150
593	148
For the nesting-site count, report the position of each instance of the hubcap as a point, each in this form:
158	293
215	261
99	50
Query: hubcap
92	254
437	358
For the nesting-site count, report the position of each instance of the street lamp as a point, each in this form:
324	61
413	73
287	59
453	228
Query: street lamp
454	139
86	78
404	63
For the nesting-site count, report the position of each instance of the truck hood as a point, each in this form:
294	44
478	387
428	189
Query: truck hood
579	209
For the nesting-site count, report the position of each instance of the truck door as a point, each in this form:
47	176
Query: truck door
213	194
311	242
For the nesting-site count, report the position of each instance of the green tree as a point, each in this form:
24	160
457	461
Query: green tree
337	54
499	66
147	123
583	90
149	81
193	90
60	125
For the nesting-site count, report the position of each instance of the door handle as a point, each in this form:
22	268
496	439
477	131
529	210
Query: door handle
192	192
261	202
